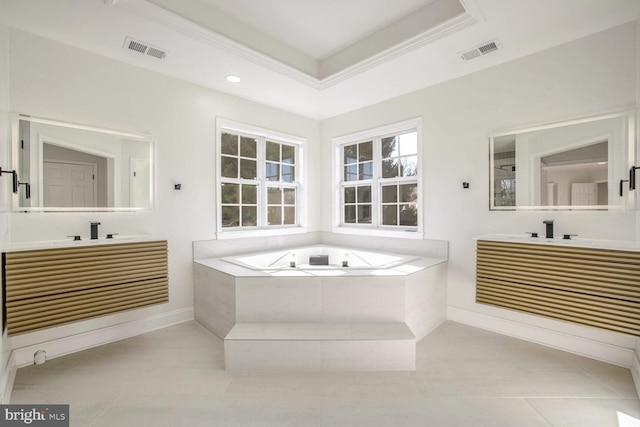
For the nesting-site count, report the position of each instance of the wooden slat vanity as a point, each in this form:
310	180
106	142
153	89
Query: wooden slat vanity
595	286
51	287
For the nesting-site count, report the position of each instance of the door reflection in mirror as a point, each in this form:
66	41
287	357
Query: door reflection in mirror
77	167
572	165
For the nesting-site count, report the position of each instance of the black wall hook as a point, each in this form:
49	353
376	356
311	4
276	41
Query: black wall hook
621	186
632	177
15	179
27	189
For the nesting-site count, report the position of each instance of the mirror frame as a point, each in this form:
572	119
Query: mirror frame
629	136
15	161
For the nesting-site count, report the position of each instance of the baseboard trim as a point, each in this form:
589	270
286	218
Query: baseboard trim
6	379
606	352
60	347
635	371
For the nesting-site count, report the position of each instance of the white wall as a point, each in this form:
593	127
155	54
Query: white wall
586	77
56	81
4	181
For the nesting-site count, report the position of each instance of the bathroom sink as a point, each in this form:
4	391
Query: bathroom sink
620	245
69	242
521	238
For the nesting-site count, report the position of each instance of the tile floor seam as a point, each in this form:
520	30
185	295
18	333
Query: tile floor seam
587	373
93	423
609	387
526	400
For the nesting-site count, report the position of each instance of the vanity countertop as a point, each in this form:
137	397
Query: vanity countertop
70	243
618	245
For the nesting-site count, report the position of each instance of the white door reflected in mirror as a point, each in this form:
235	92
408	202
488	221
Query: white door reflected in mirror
574	165
79	167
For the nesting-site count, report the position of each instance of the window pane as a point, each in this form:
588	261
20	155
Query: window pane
366	170
350	154
230	216
389	168
390	215
408	215
230	193
274	196
351	173
350	214
365	151
289	215
289	196
288	154
389	194
250	194
249	216
274	215
229	166
409	192
364	194
364	214
229	144
350	194
389	147
272	172
409	165
288	173
273	151
409	143
248	147
248	169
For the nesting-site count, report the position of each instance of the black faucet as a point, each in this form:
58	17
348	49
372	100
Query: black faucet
549	228
94	230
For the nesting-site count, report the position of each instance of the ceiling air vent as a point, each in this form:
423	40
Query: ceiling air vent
481	50
144	48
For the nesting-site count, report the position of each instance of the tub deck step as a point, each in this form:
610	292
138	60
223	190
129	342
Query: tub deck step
320	346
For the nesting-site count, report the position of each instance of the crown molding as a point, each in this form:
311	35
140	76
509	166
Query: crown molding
452	26
170	20
150	11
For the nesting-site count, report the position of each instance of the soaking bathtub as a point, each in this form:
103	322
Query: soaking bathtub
282	286
301	259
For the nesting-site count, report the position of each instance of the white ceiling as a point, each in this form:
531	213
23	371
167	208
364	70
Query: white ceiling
302	55
317	28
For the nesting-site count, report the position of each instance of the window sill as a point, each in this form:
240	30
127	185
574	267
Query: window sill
240	234
378	232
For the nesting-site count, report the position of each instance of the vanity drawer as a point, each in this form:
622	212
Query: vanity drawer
51	287
595	287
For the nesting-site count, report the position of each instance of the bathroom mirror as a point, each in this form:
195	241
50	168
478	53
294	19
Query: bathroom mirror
70	167
580	164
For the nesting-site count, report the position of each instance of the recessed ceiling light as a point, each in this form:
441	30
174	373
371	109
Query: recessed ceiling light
233	79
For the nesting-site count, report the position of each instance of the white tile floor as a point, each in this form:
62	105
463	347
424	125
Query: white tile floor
465	377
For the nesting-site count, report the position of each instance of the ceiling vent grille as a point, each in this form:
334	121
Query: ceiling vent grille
144	48
481	50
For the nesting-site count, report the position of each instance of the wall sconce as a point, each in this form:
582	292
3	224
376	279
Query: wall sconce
15	178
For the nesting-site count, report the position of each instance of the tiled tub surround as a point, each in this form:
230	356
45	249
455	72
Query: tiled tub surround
322	318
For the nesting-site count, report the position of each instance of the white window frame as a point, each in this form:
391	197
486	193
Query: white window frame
262	135
376	227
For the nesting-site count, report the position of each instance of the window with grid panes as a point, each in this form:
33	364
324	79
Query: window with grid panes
258	182
380	181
